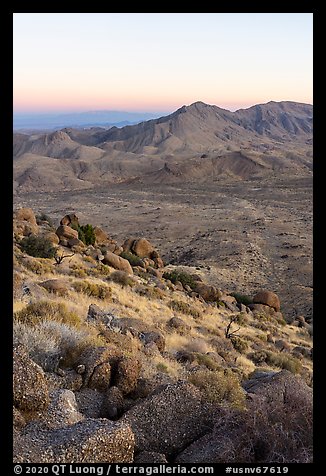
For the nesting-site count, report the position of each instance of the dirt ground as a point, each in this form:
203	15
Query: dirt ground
243	235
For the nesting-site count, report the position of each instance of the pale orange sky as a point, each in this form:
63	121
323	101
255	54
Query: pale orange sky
158	62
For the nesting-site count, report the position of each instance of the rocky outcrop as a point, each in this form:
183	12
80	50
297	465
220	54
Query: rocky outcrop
167	421
127	374
97	374
70	220
63	410
25	222
142	248
88	441
67	233
117	262
30	390
268	298
156	338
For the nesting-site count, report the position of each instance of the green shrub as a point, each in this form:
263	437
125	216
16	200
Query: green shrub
86	233
133	259
209	362
239	344
184	278
185	308
37	246
222	387
274	359
37	312
100	291
161	367
242	298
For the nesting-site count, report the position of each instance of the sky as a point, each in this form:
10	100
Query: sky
157	62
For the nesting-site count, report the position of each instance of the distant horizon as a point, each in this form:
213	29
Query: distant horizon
144	111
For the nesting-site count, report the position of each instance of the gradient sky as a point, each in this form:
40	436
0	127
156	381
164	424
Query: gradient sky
159	61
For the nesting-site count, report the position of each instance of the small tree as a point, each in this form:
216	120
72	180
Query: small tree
228	333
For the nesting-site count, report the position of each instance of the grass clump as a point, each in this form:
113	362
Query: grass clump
184	278
242	298
100	291
39	311
222	387
161	367
37	246
275	359
239	344
133	259
207	361
185	308
122	278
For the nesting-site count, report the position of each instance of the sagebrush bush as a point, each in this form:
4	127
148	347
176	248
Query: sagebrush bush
100	291
36	312
122	278
183	277
185	308
209	362
38	246
133	259
222	387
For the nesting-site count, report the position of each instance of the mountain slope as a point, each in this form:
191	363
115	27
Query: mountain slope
202	142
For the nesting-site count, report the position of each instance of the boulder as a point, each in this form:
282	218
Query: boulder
268	298
18	419
156	337
261	309
30	390
207	292
63	410
95	313
69	220
25	222
142	248
159	263
127	245
89	402
112	403
75	242
179	325
88	441
117	262
66	233
145	457
69	380
100	235
127	374
168	421
96	375
52	237
56	286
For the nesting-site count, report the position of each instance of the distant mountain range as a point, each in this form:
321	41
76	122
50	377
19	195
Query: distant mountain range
199	142
80	119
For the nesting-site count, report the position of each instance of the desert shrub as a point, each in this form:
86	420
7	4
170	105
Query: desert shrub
36	312
122	278
222	387
242	298
239	344
77	271
50	339
151	292
37	246
185	308
43	217
100	291
278	432
209	362
242	319
197	345
183	277
133	259
35	266
86	233
275	359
